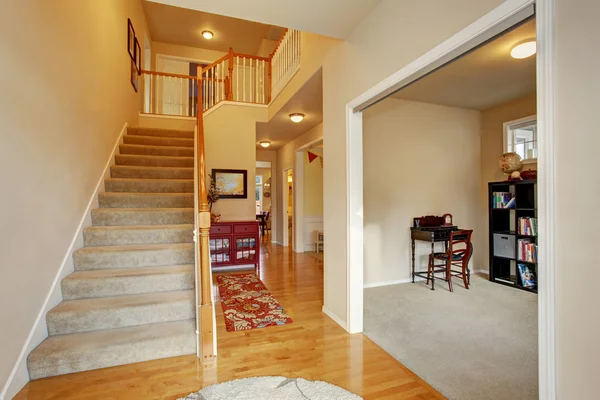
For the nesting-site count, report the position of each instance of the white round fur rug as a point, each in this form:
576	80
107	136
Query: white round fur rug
272	388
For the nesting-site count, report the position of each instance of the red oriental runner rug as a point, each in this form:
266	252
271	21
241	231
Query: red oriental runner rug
247	304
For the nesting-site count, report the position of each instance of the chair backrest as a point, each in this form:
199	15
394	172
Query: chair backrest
460	243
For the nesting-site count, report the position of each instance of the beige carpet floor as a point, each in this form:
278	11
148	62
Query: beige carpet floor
471	344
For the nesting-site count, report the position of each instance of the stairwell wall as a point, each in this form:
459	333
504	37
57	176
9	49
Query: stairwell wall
65	77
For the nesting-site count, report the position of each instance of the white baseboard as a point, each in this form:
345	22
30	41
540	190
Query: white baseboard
334	317
19	375
480	271
388	283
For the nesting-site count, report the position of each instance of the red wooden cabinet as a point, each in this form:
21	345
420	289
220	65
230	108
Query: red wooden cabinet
234	243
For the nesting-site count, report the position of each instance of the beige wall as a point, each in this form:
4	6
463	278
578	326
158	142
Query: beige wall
419	159
577	184
492	147
266	174
286	157
192	53
267	46
65	77
230	141
313	185
390	37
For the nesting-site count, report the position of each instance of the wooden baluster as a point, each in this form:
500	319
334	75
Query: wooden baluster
230	92
237	79
244	80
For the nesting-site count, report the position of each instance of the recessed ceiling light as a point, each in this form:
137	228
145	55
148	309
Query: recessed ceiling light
297	117
524	50
265	143
207	35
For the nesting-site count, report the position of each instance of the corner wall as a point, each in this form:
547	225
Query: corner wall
65	76
419	159
492	147
230	143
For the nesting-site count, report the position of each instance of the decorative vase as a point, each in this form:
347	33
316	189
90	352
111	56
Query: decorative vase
510	163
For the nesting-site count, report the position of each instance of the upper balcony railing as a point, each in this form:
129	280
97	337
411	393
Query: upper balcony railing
234	77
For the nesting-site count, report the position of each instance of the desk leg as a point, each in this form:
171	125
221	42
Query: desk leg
432	269
412	245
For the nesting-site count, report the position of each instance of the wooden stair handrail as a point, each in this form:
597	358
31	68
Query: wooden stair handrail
168	74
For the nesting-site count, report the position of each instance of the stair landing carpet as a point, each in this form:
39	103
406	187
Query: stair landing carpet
248	304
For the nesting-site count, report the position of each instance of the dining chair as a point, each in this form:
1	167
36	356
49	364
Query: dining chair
458	253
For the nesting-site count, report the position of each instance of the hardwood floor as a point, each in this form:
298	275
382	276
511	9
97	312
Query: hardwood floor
312	347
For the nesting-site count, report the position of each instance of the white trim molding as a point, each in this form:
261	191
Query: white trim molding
506	15
312	223
334	317
19	375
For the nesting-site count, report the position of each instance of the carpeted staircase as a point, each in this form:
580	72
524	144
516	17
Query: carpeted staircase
131	296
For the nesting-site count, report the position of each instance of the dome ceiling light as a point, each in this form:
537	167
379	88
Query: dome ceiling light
297	117
265	143
207	35
524	50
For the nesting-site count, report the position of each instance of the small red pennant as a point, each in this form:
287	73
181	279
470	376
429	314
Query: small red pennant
312	156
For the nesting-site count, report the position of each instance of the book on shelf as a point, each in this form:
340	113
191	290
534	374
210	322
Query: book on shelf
527	250
528	278
503	200
528	226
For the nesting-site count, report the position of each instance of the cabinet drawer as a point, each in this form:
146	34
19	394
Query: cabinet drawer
504	245
250	228
220	229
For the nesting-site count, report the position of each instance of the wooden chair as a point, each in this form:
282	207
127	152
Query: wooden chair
458	254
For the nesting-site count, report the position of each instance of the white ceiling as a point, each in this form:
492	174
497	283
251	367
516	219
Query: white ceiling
184	27
335	18
481	79
308	101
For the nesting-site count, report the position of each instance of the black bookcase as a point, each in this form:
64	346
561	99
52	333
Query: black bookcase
507	236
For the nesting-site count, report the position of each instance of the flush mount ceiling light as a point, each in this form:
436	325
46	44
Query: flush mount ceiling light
207	35
265	143
524	50
296	117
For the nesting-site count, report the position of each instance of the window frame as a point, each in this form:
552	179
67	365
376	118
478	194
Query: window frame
509	126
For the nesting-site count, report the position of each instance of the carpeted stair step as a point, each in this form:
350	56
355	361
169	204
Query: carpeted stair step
118	257
149	185
75	316
145	200
167	151
64	354
158	141
135	171
121	282
132	235
141	216
160	132
154	161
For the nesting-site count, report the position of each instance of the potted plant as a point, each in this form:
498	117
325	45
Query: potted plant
213	197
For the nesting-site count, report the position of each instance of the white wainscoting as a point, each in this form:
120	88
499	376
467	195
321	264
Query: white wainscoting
312	224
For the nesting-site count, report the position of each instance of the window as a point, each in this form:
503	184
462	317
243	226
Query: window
259	194
520	136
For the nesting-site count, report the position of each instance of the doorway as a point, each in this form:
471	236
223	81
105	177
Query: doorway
288	207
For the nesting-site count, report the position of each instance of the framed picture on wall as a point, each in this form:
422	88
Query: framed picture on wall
138	56
231	183
134	76
130	39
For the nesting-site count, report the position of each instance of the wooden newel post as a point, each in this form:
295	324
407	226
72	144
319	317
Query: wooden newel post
205	306
231	60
